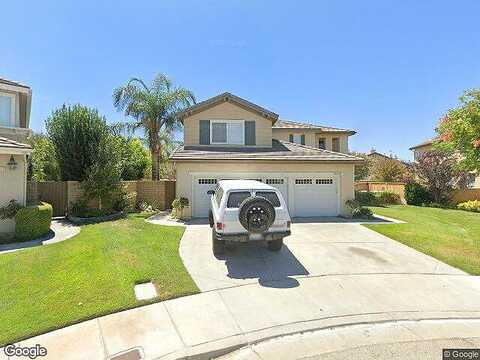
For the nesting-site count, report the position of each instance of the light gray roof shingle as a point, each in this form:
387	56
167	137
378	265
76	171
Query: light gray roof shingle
13	83
9	143
280	151
289	124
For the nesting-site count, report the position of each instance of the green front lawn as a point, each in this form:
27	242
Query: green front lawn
452	236
92	274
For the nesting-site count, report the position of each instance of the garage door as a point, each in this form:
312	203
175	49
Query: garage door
201	200
315	196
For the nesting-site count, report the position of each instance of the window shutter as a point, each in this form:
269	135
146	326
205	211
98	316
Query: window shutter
302	139
250	133
204	132
290	138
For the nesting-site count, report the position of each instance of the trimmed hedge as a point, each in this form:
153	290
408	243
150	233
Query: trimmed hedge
33	221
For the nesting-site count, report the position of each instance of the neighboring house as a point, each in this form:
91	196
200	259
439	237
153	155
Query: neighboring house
375	155
227	137
423	147
427	145
15	104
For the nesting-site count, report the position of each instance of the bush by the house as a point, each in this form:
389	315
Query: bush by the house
416	194
472	205
33	221
10	210
357	210
178	205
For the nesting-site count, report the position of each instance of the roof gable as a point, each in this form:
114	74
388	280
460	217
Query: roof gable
228	97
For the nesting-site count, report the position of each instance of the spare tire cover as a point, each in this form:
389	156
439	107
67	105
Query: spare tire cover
256	214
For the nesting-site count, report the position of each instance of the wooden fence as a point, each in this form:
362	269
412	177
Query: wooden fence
465	195
375	186
62	194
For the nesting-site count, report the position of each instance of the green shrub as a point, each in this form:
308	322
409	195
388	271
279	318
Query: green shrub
79	207
472	205
366	198
387	198
33	221
416	194
357	210
178	205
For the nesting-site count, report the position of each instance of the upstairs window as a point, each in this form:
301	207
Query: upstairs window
336	144
297	138
229	132
322	143
7	109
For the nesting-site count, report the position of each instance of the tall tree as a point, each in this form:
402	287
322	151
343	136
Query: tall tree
459	131
76	132
154	108
42	164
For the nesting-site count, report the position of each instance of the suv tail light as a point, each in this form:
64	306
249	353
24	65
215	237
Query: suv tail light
219	226
288	224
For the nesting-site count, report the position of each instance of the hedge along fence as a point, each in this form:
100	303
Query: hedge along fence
63	194
460	196
375	186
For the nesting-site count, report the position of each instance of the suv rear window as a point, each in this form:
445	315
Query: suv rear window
236	198
270	196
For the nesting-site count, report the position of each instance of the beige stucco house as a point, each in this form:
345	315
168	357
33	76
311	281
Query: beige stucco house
227	137
427	145
15	104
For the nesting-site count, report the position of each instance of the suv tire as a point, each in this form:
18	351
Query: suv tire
210	218
218	246
275	245
256	214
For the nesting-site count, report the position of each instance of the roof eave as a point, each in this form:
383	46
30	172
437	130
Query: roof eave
227	97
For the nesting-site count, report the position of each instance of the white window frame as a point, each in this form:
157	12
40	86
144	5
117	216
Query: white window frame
241	122
297	137
13	107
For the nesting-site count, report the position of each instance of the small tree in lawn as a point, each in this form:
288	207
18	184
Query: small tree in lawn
459	131
154	108
104	176
439	173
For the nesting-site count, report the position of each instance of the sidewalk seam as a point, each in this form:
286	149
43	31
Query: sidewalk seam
175	326
102	340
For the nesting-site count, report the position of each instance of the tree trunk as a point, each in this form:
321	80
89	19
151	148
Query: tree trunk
156	162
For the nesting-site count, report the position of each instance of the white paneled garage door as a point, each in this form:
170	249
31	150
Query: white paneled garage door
201	200
308	196
315	196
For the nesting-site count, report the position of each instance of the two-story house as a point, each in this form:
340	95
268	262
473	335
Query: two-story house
227	137
15	104
427	145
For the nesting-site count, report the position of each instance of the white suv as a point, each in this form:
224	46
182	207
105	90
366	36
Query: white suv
247	210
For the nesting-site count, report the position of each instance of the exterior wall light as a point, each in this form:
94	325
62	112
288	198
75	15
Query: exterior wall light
12	164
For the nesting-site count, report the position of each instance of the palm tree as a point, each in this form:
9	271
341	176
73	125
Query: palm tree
154	109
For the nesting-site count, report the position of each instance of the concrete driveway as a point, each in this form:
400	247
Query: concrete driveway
319	247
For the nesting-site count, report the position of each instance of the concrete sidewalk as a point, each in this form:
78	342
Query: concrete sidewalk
405	340
213	323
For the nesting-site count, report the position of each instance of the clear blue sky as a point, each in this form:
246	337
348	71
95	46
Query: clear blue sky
388	69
